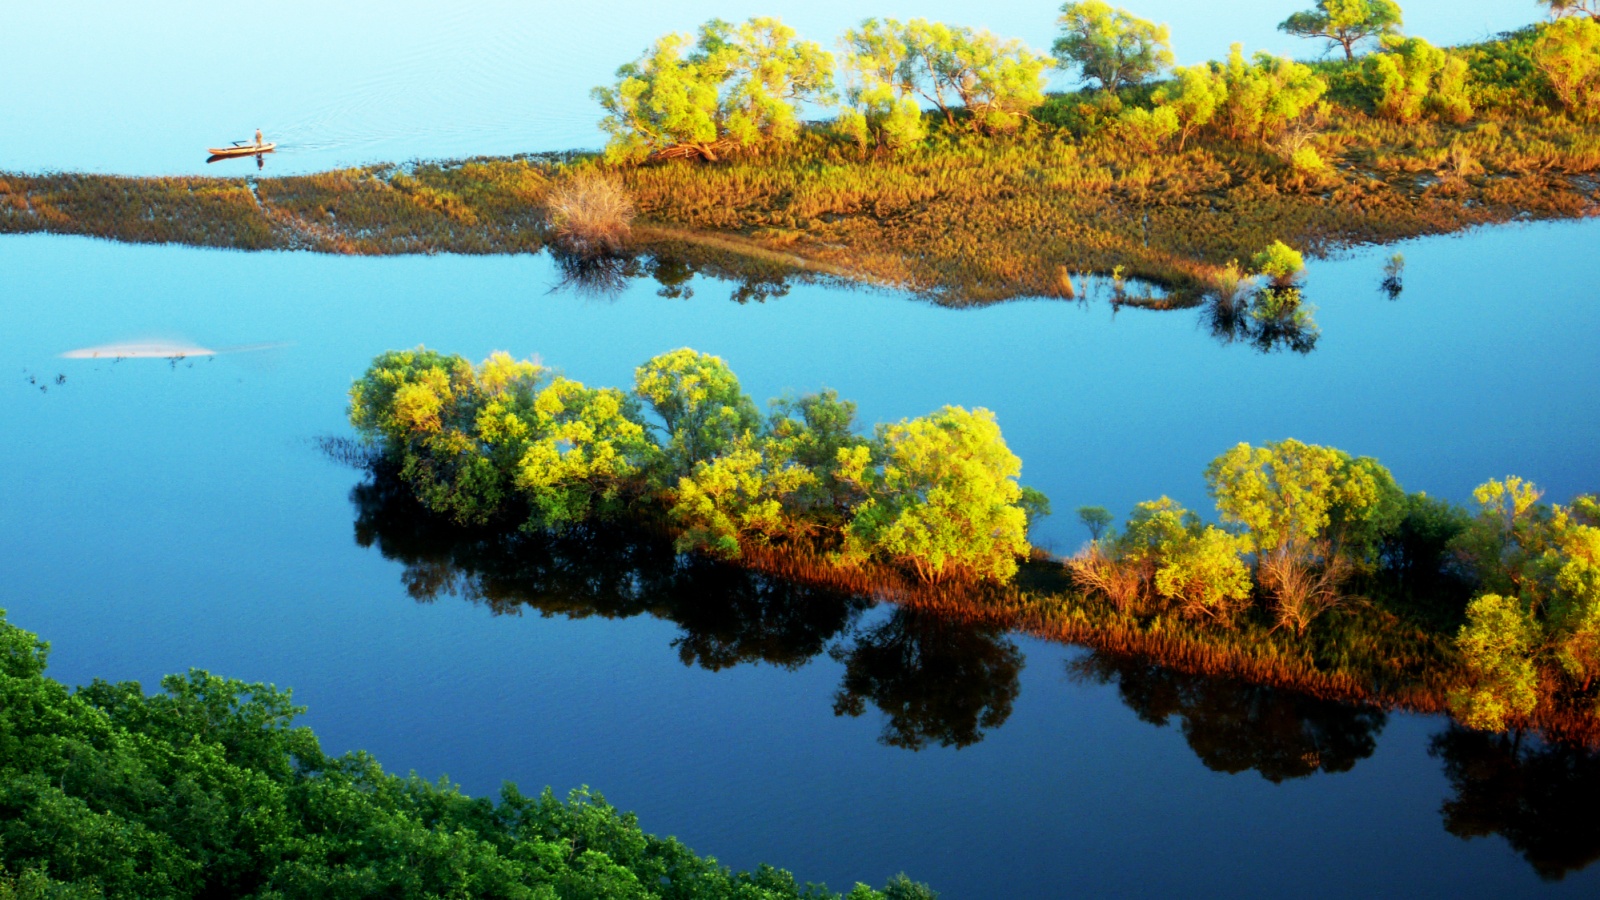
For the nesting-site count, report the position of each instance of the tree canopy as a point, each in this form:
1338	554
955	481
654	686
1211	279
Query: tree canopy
1345	23
210	789
736	86
1111	46
944	498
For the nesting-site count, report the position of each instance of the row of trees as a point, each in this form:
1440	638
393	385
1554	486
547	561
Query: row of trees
937	495
1300	522
747	86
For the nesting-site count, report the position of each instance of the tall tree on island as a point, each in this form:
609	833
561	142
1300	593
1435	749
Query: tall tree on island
1345	22
1111	46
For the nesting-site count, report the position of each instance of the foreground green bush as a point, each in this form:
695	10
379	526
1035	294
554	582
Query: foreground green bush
210	790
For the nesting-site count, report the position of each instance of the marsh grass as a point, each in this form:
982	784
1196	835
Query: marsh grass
963	218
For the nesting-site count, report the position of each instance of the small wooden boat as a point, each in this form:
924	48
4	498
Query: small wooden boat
241	148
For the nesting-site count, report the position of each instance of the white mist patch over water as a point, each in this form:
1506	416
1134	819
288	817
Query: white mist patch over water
163	349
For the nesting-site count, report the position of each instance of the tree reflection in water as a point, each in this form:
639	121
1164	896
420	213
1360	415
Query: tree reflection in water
939	681
1542	798
1267	320
728	615
1234	727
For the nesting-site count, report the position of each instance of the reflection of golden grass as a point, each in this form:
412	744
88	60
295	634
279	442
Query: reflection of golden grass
1358	654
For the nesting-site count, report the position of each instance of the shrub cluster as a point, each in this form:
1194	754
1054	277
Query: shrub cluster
938	495
1307	529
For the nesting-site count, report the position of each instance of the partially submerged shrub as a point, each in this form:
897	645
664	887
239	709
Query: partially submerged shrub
1279	262
590	215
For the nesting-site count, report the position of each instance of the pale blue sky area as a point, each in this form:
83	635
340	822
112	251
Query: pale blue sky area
144	88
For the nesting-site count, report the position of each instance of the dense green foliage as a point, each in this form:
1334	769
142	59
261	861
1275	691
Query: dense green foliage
739	87
210	790
1111	46
503	440
1309	529
1345	23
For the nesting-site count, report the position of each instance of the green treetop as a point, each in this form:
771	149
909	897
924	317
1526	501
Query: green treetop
700	401
881	103
1111	46
1567	53
995	81
739	86
1413	77
944	499
1247	99
1345	23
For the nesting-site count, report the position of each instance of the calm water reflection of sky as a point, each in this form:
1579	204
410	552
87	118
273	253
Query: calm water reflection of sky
158	516
143	88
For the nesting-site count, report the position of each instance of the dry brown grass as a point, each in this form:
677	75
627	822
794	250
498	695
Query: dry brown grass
590	215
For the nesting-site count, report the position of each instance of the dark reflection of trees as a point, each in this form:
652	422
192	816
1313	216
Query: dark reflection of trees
1262	323
939	682
1234	726
728	615
1543	798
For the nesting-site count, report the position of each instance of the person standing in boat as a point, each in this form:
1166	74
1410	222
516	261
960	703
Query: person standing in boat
258	137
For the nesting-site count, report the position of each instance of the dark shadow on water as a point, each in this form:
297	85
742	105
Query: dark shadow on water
1269	320
939	682
1237	727
1544	799
728	615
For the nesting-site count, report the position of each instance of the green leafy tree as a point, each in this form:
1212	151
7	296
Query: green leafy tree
740	86
1496	647
997	82
701	404
818	433
1259	97
1567	52
585	452
663	101
1194	95
1280	263
1345	23
736	497
209	789
1310	515
881	103
945	499
1413	77
425	409
1111	46
1202	572
1095	518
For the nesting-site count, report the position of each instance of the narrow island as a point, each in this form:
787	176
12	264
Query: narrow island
1323	575
947	169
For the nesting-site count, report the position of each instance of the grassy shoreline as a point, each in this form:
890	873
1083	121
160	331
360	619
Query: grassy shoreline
996	225
962	217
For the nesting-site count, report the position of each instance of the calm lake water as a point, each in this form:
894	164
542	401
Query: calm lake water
159	515
144	88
